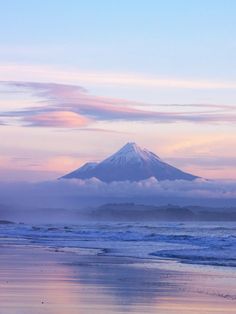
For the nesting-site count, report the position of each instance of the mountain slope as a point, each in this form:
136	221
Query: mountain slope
130	163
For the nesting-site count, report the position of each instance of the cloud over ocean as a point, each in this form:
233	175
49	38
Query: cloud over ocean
78	193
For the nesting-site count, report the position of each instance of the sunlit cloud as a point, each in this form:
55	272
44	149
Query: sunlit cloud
208	145
72	106
64	119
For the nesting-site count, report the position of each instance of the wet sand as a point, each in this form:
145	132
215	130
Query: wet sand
35	280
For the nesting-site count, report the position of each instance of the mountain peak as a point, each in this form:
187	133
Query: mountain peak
130	153
130	163
130	146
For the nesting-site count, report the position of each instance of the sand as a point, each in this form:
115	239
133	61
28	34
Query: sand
36	280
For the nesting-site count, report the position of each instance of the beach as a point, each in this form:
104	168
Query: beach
37	280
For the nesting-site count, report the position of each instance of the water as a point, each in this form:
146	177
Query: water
193	243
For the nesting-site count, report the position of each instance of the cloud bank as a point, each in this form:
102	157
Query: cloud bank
80	193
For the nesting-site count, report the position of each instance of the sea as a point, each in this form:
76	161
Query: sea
201	243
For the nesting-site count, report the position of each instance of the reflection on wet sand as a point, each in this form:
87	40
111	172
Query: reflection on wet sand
35	280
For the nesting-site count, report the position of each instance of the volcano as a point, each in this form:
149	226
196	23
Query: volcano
130	163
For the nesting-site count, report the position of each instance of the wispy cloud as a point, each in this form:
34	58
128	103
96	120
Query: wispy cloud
71	106
71	76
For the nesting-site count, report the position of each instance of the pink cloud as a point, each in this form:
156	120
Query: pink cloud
72	106
63	119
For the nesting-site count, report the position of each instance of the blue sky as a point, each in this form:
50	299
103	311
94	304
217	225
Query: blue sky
177	38
141	54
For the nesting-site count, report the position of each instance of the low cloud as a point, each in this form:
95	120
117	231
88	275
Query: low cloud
70	106
80	193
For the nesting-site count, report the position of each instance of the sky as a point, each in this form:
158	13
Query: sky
79	79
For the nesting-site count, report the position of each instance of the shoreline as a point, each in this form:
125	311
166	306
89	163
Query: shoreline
53	281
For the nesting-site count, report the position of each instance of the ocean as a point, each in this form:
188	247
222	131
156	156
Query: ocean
204	243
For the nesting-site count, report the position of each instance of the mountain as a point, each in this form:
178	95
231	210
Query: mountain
130	163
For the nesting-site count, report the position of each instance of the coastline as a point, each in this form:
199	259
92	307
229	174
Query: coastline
39	280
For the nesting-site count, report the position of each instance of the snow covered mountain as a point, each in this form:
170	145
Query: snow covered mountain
130	163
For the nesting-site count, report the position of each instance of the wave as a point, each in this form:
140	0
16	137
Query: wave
208	243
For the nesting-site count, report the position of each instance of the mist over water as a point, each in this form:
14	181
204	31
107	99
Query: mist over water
127	221
70	200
